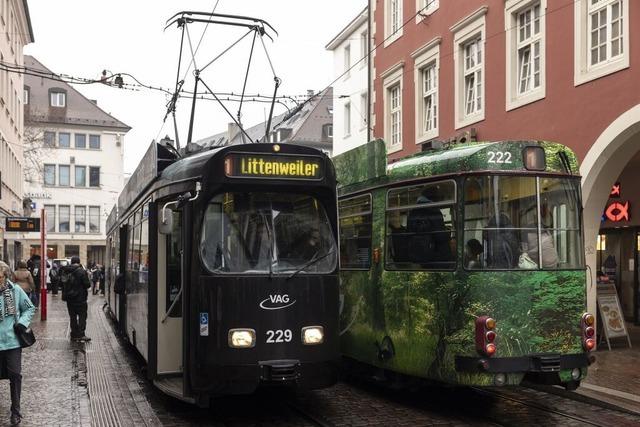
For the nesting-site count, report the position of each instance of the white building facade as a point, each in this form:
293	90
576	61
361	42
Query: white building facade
80	173
15	26
350	90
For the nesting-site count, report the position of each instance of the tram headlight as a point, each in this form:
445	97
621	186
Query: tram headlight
312	335
242	338
576	373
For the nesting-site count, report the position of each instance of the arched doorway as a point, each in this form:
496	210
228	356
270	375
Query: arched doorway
601	167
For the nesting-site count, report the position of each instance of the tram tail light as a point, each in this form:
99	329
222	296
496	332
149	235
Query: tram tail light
486	336
242	338
312	335
587	326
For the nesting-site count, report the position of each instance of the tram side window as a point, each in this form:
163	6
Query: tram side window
174	265
143	270
421	227
560	224
502	229
500	223
355	232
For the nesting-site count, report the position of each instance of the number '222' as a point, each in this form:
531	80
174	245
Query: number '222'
499	157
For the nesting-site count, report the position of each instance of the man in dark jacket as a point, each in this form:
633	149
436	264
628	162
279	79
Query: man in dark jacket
75	282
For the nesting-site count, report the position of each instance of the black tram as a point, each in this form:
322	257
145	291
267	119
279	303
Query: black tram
223	269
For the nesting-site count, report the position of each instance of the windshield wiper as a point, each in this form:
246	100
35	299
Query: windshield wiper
311	262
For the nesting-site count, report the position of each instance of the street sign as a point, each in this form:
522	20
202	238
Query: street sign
14	223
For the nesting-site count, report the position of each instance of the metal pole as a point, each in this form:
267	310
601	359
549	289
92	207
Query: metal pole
43	265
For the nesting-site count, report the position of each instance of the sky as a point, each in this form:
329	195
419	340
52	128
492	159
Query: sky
81	38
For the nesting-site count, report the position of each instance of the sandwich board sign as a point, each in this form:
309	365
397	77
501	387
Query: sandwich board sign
610	313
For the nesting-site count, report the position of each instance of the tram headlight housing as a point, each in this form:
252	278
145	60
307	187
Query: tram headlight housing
242	338
312	335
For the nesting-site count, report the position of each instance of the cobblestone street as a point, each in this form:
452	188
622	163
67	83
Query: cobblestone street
103	384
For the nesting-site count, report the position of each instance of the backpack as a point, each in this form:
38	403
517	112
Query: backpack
70	290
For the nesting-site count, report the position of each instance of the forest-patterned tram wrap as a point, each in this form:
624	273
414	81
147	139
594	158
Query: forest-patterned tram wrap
441	273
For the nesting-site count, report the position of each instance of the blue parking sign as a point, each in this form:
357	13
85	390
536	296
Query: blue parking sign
204	324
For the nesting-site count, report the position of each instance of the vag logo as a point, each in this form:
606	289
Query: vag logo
276	302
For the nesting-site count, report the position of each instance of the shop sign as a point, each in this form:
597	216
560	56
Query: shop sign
35	195
617	211
615	190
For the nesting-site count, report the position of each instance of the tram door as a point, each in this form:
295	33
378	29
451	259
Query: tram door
169	321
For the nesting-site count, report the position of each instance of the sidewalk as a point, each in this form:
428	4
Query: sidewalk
77	384
615	376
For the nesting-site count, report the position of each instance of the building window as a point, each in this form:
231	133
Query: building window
429	99
469	37
425	8
63	222
364	104
50	211
347	119
525	51
395	114
355	232
81	140
94	219
426	71
64	140
49	139
364	41
49	174
472	77
393	21
94	176
71	250
601	37
58	99
25	96
64	178
81	176
80	219
94	141
392	102
347	59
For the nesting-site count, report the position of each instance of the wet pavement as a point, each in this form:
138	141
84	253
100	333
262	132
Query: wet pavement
103	383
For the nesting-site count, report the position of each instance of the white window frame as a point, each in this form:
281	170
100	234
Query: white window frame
364	42
364	104
58	99
391	78
467	30
583	70
512	11
389	34
346	60
425	57
431	6
347	119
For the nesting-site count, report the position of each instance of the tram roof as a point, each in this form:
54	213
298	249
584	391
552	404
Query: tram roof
367	164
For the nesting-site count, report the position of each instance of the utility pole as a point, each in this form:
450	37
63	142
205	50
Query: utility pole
43	265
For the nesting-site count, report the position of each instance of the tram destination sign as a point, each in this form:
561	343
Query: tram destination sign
257	165
22	224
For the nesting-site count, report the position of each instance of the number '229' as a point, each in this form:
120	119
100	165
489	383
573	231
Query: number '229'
499	157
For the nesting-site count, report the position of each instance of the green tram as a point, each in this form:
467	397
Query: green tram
441	273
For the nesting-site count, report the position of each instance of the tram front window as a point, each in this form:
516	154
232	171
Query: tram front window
269	233
507	219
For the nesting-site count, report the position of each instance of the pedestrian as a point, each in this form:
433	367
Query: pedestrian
75	283
95	278
54	276
34	267
16	312
102	279
24	279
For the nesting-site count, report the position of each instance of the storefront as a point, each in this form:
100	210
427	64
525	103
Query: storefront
618	245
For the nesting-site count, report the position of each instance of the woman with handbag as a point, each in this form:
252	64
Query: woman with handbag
22	277
16	311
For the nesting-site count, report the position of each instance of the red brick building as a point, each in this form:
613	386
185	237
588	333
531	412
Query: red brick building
562	70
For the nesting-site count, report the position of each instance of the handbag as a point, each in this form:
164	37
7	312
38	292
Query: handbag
25	336
526	263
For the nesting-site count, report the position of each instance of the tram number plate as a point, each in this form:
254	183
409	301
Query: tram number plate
279	335
499	157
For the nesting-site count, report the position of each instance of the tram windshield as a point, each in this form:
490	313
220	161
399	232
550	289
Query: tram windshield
522	222
271	233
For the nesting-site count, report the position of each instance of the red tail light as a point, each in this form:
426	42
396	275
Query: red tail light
587	325
485	336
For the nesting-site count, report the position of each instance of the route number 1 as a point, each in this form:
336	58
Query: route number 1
499	157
